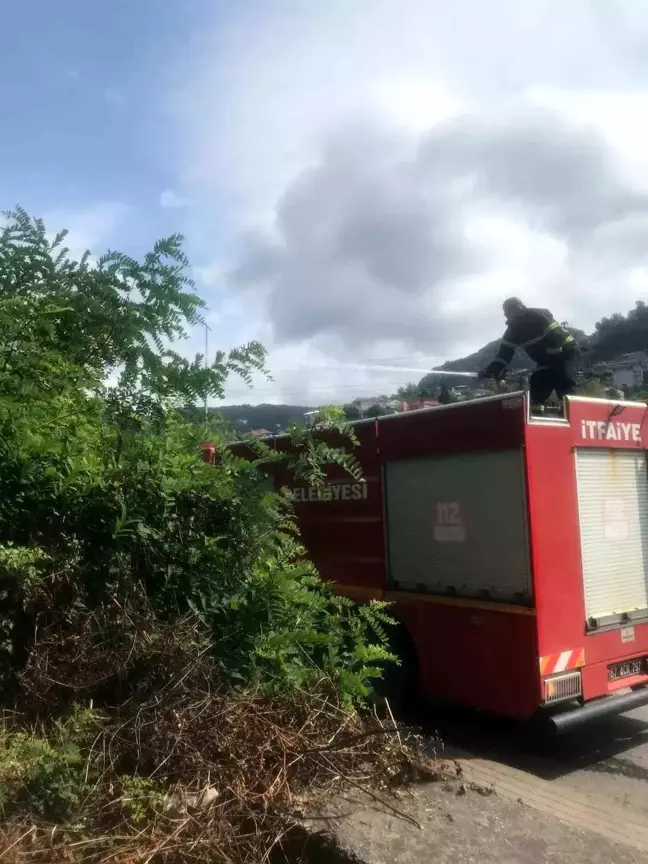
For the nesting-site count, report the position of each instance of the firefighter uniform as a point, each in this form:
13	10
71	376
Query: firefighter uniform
548	344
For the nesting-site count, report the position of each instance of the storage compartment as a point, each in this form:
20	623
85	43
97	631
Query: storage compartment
456	525
613	516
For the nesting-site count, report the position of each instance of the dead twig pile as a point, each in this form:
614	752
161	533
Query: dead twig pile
190	774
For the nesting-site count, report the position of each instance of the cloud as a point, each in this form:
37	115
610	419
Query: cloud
169	198
90	228
381	181
305	375
371	245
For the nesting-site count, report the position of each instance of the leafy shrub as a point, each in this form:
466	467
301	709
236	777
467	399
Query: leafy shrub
172	594
108	512
44	774
142	799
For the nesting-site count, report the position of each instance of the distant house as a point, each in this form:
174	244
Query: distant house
365	403
260	433
630	370
416	404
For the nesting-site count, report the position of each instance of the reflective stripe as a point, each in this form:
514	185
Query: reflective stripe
559	349
554	326
563	660
551	664
508	344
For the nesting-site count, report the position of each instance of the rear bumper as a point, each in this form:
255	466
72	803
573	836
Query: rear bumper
572	718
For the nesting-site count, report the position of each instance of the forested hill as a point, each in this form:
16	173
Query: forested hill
480	359
613	336
249	417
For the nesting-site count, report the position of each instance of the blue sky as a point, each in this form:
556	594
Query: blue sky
83	115
89	139
360	182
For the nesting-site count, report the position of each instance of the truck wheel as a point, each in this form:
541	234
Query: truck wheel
400	684
537	736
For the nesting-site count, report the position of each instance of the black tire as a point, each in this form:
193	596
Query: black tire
400	685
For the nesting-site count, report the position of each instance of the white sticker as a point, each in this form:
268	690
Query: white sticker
627	634
615	521
449	526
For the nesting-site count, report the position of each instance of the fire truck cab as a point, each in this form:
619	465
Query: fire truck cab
513	549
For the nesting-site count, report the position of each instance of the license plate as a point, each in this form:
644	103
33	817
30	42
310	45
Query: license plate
630	667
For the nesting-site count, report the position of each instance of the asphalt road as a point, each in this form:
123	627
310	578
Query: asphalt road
605	761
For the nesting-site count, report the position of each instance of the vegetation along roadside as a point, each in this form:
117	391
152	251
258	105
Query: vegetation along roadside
176	681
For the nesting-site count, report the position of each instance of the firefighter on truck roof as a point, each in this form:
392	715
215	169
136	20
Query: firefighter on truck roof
546	342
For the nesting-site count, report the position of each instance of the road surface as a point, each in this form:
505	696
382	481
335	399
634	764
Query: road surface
596	777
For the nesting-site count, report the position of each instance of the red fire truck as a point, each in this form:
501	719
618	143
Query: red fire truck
513	549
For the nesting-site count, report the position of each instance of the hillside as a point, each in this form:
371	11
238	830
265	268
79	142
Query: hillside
481	358
264	416
613	336
616	335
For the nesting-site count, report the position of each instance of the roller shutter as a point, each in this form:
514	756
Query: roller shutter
457	525
613	515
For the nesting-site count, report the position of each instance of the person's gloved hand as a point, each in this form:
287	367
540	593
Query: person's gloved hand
569	351
489	374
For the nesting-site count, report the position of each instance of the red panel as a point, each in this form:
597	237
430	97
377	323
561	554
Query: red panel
474	654
345	539
555	533
596	683
366	452
596	423
344	535
492	424
601	649
555	539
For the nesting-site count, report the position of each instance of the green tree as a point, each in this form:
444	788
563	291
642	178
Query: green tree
594	388
109	515
352	411
81	323
375	411
408	393
445	396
